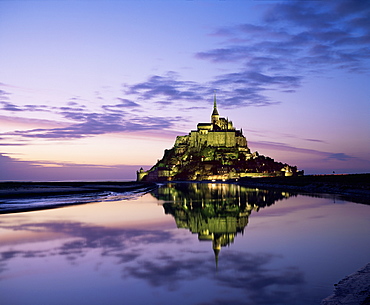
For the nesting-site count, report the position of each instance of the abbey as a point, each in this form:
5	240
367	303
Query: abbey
215	151
219	133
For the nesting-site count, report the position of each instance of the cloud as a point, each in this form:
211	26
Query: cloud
6	106
97	124
124	103
292	40
289	148
3	95
77	121
94	236
9	166
257	79
315	140
36	108
110	119
339	156
264	285
168	88
247	88
167	270
257	276
308	32
39	170
244	273
123	244
12	144
247	272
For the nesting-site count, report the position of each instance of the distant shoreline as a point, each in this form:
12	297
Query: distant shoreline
353	187
345	184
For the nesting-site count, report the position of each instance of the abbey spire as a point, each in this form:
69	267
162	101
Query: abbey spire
215	116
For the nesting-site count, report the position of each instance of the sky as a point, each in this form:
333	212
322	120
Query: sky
94	90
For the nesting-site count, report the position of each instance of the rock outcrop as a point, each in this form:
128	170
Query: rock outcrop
352	290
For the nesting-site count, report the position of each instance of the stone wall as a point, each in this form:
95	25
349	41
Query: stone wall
216	139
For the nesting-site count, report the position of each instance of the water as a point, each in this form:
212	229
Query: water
184	244
59	200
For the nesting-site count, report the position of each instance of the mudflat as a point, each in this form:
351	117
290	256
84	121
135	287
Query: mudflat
28	189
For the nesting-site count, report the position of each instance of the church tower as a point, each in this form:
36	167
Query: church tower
215	116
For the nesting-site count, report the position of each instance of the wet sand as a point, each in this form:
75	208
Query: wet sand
353	289
42	190
28	189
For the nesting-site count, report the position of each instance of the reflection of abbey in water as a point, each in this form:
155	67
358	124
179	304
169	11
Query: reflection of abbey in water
216	212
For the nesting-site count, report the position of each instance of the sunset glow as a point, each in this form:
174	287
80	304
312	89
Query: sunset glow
94	90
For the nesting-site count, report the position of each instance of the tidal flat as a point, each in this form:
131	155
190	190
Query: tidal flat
31	196
183	243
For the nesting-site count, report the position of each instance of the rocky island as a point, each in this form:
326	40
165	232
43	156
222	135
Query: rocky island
215	151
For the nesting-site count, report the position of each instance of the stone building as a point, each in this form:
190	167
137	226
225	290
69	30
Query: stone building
219	133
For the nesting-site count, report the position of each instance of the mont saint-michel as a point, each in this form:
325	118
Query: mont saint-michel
215	151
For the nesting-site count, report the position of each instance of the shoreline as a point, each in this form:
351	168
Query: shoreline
354	186
351	187
42	189
52	190
353	289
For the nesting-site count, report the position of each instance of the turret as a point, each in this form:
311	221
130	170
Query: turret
141	174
